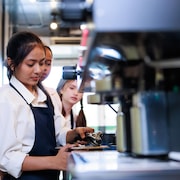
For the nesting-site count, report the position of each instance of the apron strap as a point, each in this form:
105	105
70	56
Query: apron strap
72	120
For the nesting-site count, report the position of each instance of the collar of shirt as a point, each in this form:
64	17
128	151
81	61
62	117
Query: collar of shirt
28	96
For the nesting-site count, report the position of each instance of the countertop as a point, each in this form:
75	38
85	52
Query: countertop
113	165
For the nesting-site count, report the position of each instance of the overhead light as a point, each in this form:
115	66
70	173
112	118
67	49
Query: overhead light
54	24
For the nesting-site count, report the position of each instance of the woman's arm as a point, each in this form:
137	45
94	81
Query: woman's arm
58	162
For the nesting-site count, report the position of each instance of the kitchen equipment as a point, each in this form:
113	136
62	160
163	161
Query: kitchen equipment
149	125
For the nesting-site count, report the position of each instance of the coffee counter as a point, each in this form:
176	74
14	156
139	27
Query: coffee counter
112	165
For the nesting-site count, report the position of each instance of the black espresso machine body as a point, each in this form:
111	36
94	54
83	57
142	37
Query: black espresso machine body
133	55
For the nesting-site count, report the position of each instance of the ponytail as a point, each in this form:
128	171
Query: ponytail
81	118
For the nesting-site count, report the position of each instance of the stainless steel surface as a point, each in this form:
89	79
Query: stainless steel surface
106	165
143	15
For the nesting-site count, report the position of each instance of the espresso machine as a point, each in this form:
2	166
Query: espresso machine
133	57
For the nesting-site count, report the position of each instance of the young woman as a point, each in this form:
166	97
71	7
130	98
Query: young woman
69	95
47	63
46	69
30	130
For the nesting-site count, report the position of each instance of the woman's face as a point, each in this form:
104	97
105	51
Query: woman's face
30	70
47	65
70	93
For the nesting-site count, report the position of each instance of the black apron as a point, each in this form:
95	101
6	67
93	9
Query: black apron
45	141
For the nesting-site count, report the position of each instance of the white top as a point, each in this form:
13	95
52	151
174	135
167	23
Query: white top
66	121
17	127
55	99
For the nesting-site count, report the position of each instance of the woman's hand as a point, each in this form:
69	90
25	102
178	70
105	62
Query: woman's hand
62	156
58	162
81	131
78	133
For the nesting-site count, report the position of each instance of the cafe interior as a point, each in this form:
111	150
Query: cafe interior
126	58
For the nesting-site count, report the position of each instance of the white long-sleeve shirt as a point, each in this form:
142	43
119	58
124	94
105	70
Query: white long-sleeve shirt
17	126
65	122
57	110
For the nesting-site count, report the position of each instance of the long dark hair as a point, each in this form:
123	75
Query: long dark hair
19	46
